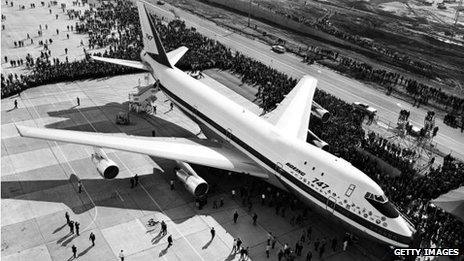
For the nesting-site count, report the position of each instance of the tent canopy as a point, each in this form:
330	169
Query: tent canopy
452	202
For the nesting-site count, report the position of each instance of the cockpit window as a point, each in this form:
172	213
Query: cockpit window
382	204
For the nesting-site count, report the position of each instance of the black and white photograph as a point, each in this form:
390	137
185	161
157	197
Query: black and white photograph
232	130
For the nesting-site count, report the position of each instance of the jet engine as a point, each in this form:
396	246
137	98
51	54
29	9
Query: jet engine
106	167
316	141
319	112
193	183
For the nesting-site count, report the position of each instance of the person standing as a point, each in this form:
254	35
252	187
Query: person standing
164	228
239	244
297	248
309	231
172	184
234	247
334	244
345	245
213	233
321	250
316	244
77	227
309	256
280	254
15	104
78	101
79	186
255	217
121	255
74	250
235	216
136	179
169	240
71	227
273	242
242	253
268	248
92	238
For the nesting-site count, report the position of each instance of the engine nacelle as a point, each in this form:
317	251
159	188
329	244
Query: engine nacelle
316	141
319	112
193	183
106	167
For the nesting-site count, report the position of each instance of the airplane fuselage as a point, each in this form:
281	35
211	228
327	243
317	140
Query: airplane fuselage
315	175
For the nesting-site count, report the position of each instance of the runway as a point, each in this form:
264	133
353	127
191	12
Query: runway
448	140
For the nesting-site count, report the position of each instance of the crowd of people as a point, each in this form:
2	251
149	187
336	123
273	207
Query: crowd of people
419	92
394	154
114	26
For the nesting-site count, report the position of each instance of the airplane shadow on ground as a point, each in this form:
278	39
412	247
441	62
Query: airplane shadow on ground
57	191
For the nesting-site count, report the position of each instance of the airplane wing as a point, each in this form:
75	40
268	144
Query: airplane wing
128	63
202	152
175	55
292	114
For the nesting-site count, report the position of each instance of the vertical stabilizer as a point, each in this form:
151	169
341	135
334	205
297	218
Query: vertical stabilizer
151	40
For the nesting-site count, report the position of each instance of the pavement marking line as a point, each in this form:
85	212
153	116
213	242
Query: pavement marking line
446	137
117	192
131	172
66	159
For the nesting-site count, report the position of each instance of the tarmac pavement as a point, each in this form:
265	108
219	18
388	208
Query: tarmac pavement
19	23
39	184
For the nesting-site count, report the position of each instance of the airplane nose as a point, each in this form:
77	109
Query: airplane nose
407	230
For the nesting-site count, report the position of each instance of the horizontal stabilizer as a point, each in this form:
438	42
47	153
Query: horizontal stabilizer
175	55
127	63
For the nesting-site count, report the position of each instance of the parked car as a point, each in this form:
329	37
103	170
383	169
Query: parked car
364	108
278	48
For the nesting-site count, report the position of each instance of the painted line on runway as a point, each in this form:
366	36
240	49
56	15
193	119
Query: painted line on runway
117	192
132	174
66	159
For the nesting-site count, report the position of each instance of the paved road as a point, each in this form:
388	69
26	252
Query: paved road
350	90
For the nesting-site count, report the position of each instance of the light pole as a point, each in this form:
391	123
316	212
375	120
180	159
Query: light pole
249	13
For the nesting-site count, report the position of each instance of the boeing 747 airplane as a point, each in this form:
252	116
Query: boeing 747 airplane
273	148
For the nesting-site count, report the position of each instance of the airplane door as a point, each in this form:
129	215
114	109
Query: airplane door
229	135
279	167
330	205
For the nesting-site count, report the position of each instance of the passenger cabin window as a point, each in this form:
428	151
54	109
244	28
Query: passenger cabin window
350	190
382	204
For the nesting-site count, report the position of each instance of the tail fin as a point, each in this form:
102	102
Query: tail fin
151	40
